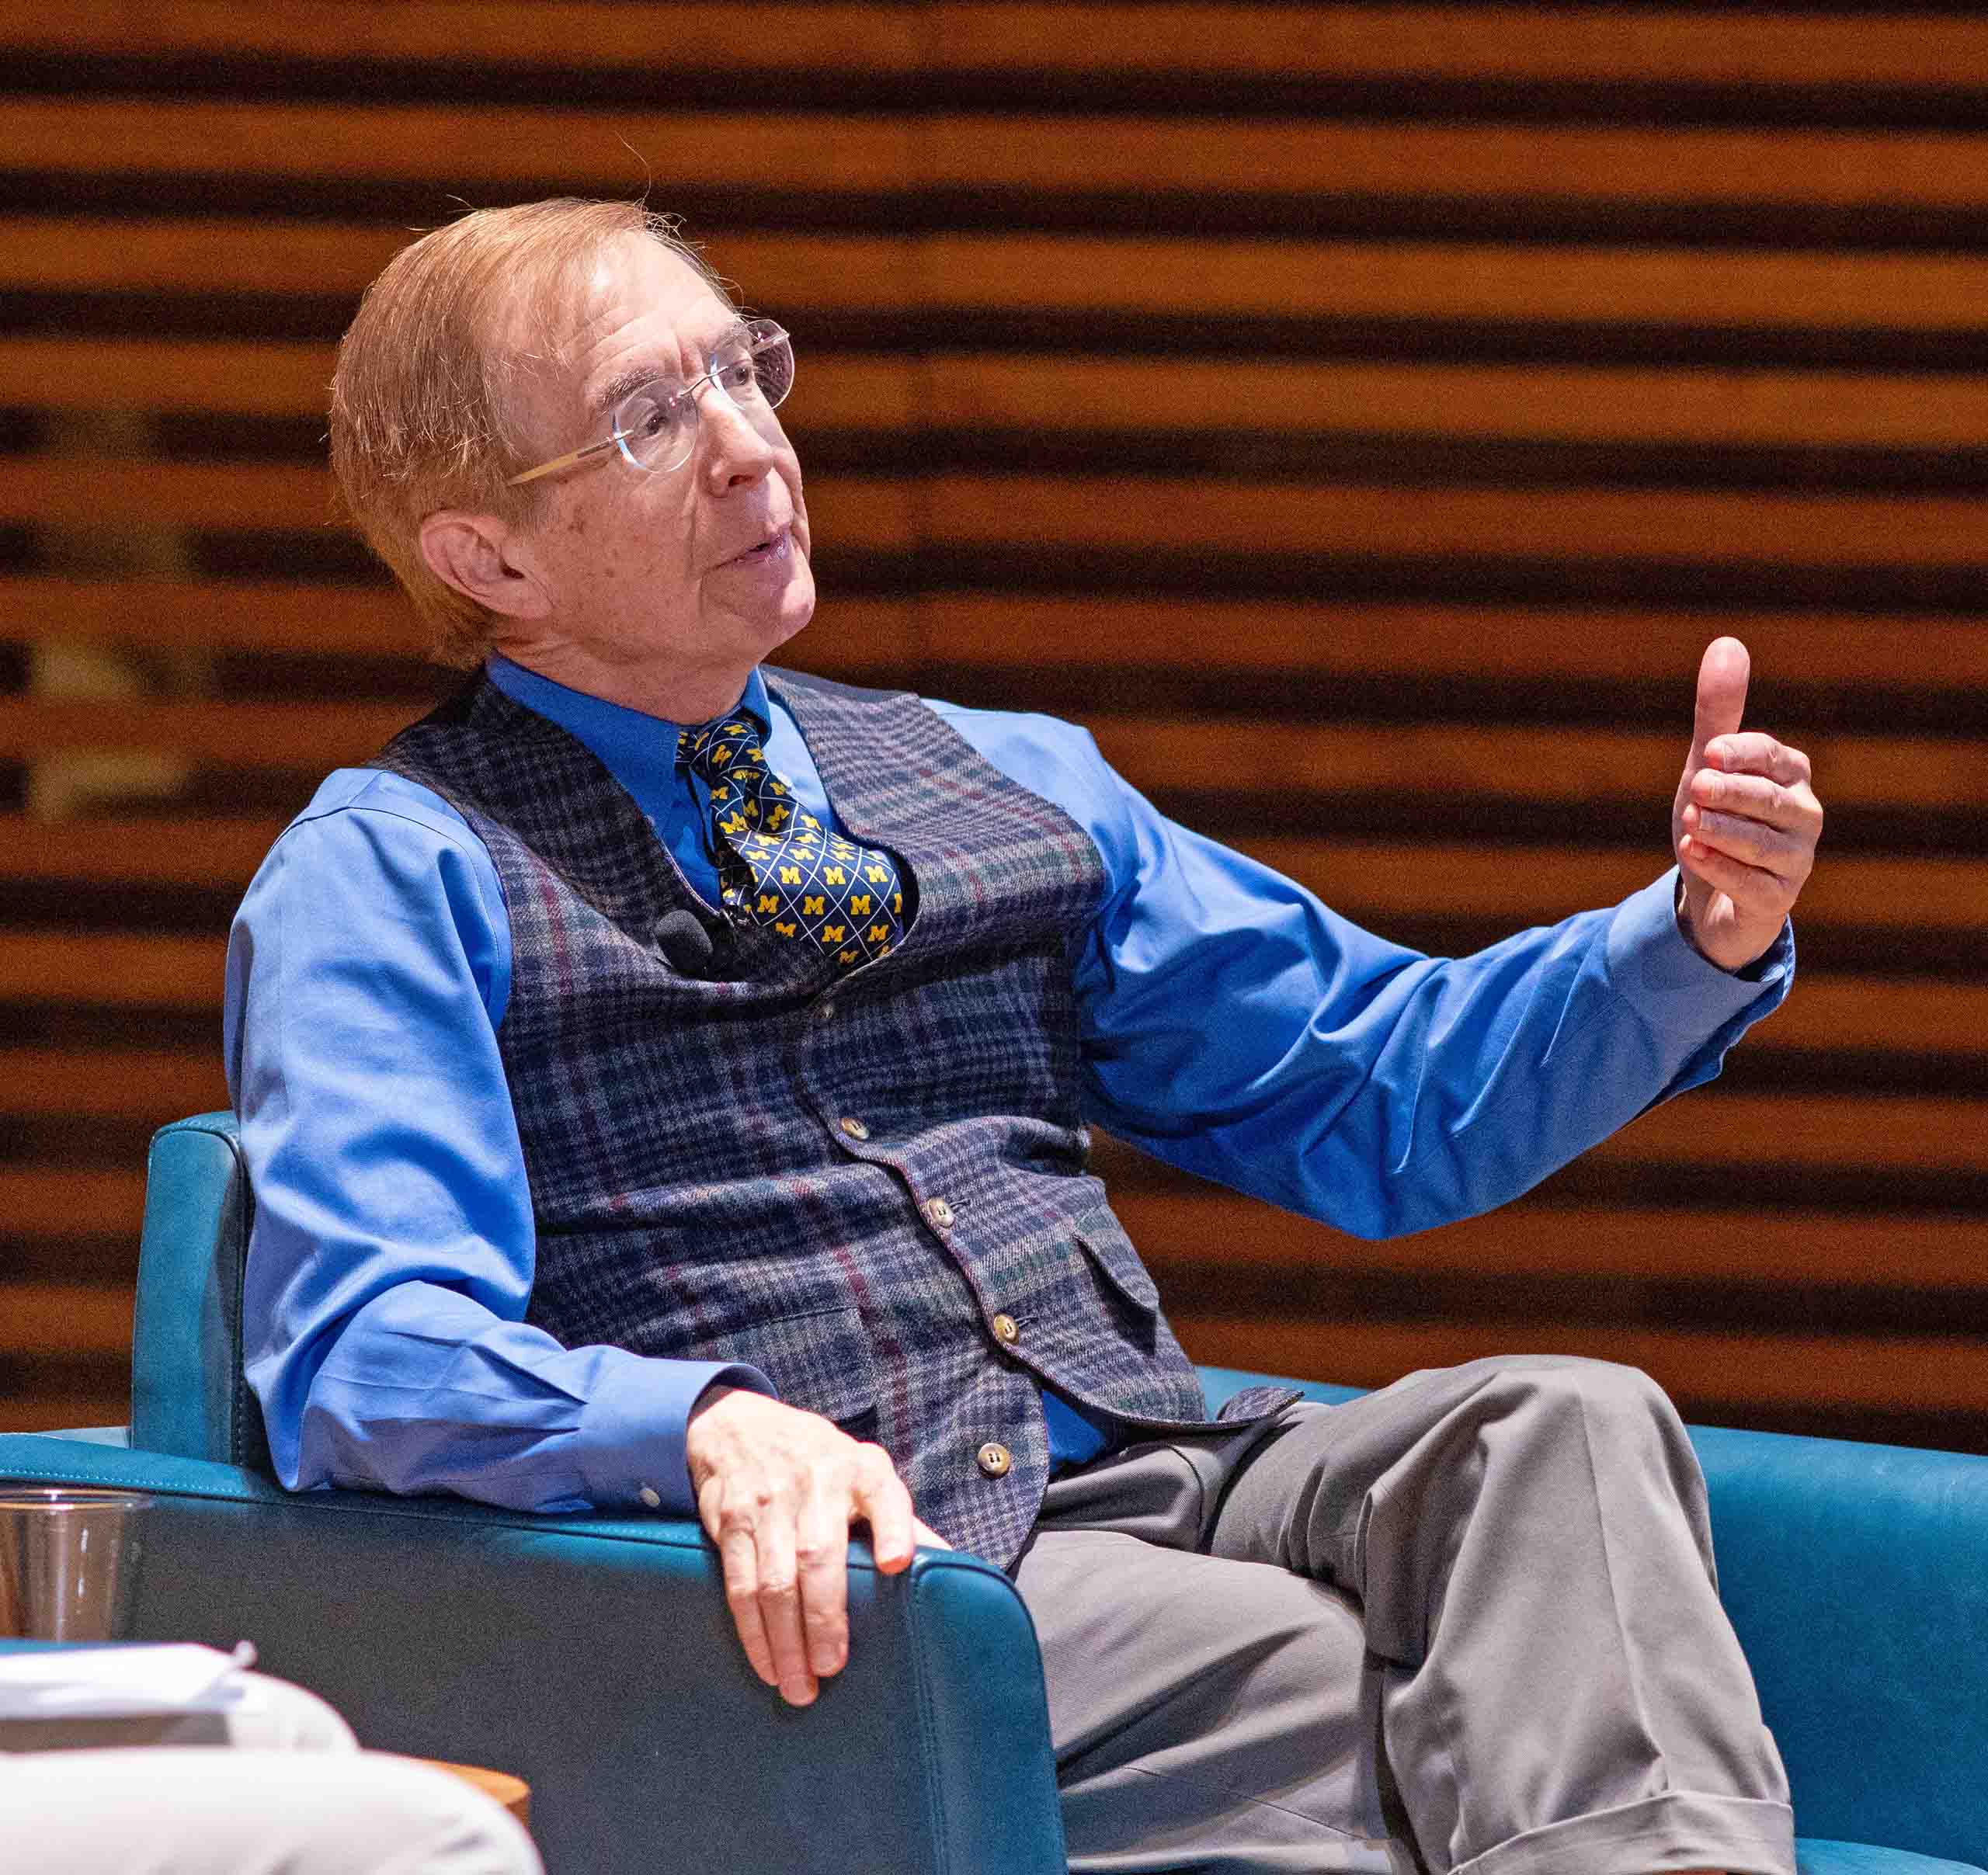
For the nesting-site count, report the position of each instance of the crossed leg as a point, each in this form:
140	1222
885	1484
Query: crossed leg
1468	1622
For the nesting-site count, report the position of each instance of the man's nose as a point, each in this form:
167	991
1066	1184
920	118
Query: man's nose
734	449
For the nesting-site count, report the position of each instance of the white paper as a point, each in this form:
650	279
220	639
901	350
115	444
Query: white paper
122	1681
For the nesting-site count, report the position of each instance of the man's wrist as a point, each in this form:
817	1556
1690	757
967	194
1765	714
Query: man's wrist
634	1428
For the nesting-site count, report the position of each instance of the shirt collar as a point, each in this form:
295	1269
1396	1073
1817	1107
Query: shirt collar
632	743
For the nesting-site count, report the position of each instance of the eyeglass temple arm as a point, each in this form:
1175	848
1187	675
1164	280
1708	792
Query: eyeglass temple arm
565	461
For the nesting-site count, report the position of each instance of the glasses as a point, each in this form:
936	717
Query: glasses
656	427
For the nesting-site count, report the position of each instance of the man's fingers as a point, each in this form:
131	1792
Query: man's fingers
882	1499
780	1604
1721	697
1751	888
822	1554
1790	806
1750	841
1752	752
738	1554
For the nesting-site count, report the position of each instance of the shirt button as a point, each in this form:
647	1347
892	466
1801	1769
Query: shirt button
650	1496
995	1460
941	1213
854	1127
1006	1330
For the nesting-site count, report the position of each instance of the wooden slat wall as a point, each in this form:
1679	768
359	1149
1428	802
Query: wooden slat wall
1360	416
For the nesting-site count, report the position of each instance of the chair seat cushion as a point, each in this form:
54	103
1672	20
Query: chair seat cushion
1813	1855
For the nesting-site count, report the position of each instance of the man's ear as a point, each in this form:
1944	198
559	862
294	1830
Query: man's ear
481	556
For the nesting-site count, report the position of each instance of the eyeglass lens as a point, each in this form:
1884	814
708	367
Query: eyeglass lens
657	426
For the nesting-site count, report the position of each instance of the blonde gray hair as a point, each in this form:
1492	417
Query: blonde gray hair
426	411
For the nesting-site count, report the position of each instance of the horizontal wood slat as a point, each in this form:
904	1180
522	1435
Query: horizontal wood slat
68	1203
746	37
1379	639
1379	880
1541	763
215	850
37	1410
1927	1373
110	969
837	154
1355	280
1486	44
859	272
1146	515
1548	524
147	1085
72	1317
1896	1132
541	149
307	736
1410	641
1591	44
1824	409
249	254
1776	1249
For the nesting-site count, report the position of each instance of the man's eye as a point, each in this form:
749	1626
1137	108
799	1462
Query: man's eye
646	419
739	375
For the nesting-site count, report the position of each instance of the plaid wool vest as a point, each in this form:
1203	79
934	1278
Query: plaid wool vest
870	1184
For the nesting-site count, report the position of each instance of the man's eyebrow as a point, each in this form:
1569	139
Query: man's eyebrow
623	383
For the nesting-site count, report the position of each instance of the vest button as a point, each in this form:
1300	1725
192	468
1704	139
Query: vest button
854	1127
996	1460
941	1213
824	1011
1006	1330
650	1496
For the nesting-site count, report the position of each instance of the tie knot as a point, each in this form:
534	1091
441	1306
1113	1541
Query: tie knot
714	747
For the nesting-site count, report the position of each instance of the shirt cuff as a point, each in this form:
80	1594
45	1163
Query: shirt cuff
632	1432
1660	969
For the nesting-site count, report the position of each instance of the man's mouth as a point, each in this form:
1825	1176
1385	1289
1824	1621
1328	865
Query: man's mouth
772	547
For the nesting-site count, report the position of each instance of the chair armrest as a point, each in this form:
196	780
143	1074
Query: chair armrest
595	1656
1857	1576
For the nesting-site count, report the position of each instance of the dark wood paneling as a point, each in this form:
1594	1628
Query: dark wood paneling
1361	416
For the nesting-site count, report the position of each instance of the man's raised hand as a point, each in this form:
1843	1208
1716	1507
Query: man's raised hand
1745	821
777	1489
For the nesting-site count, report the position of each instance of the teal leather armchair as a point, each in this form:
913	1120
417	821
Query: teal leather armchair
594	1656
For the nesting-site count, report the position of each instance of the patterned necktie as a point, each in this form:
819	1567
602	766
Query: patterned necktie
782	869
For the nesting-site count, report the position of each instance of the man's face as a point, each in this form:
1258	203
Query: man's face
702	568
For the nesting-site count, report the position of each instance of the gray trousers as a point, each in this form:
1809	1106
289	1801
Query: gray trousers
1469	1621
279	1788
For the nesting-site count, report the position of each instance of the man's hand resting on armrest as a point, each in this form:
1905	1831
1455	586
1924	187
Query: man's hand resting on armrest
777	1489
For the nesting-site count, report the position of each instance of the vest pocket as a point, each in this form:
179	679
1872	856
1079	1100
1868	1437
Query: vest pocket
1104	1240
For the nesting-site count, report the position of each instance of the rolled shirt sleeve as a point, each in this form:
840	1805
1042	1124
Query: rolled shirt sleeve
391	1257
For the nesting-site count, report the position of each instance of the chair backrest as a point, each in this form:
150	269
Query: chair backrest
188	1395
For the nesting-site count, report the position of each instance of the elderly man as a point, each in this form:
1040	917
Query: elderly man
665	1079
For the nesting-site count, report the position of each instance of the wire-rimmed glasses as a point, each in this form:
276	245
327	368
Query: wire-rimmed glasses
655	426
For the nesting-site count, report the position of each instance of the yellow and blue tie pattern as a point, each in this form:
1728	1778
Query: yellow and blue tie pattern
777	864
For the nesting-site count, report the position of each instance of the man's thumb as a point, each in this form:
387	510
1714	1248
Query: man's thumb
1722	675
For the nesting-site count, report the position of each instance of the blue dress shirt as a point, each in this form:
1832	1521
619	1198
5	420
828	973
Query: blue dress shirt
1232	1024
